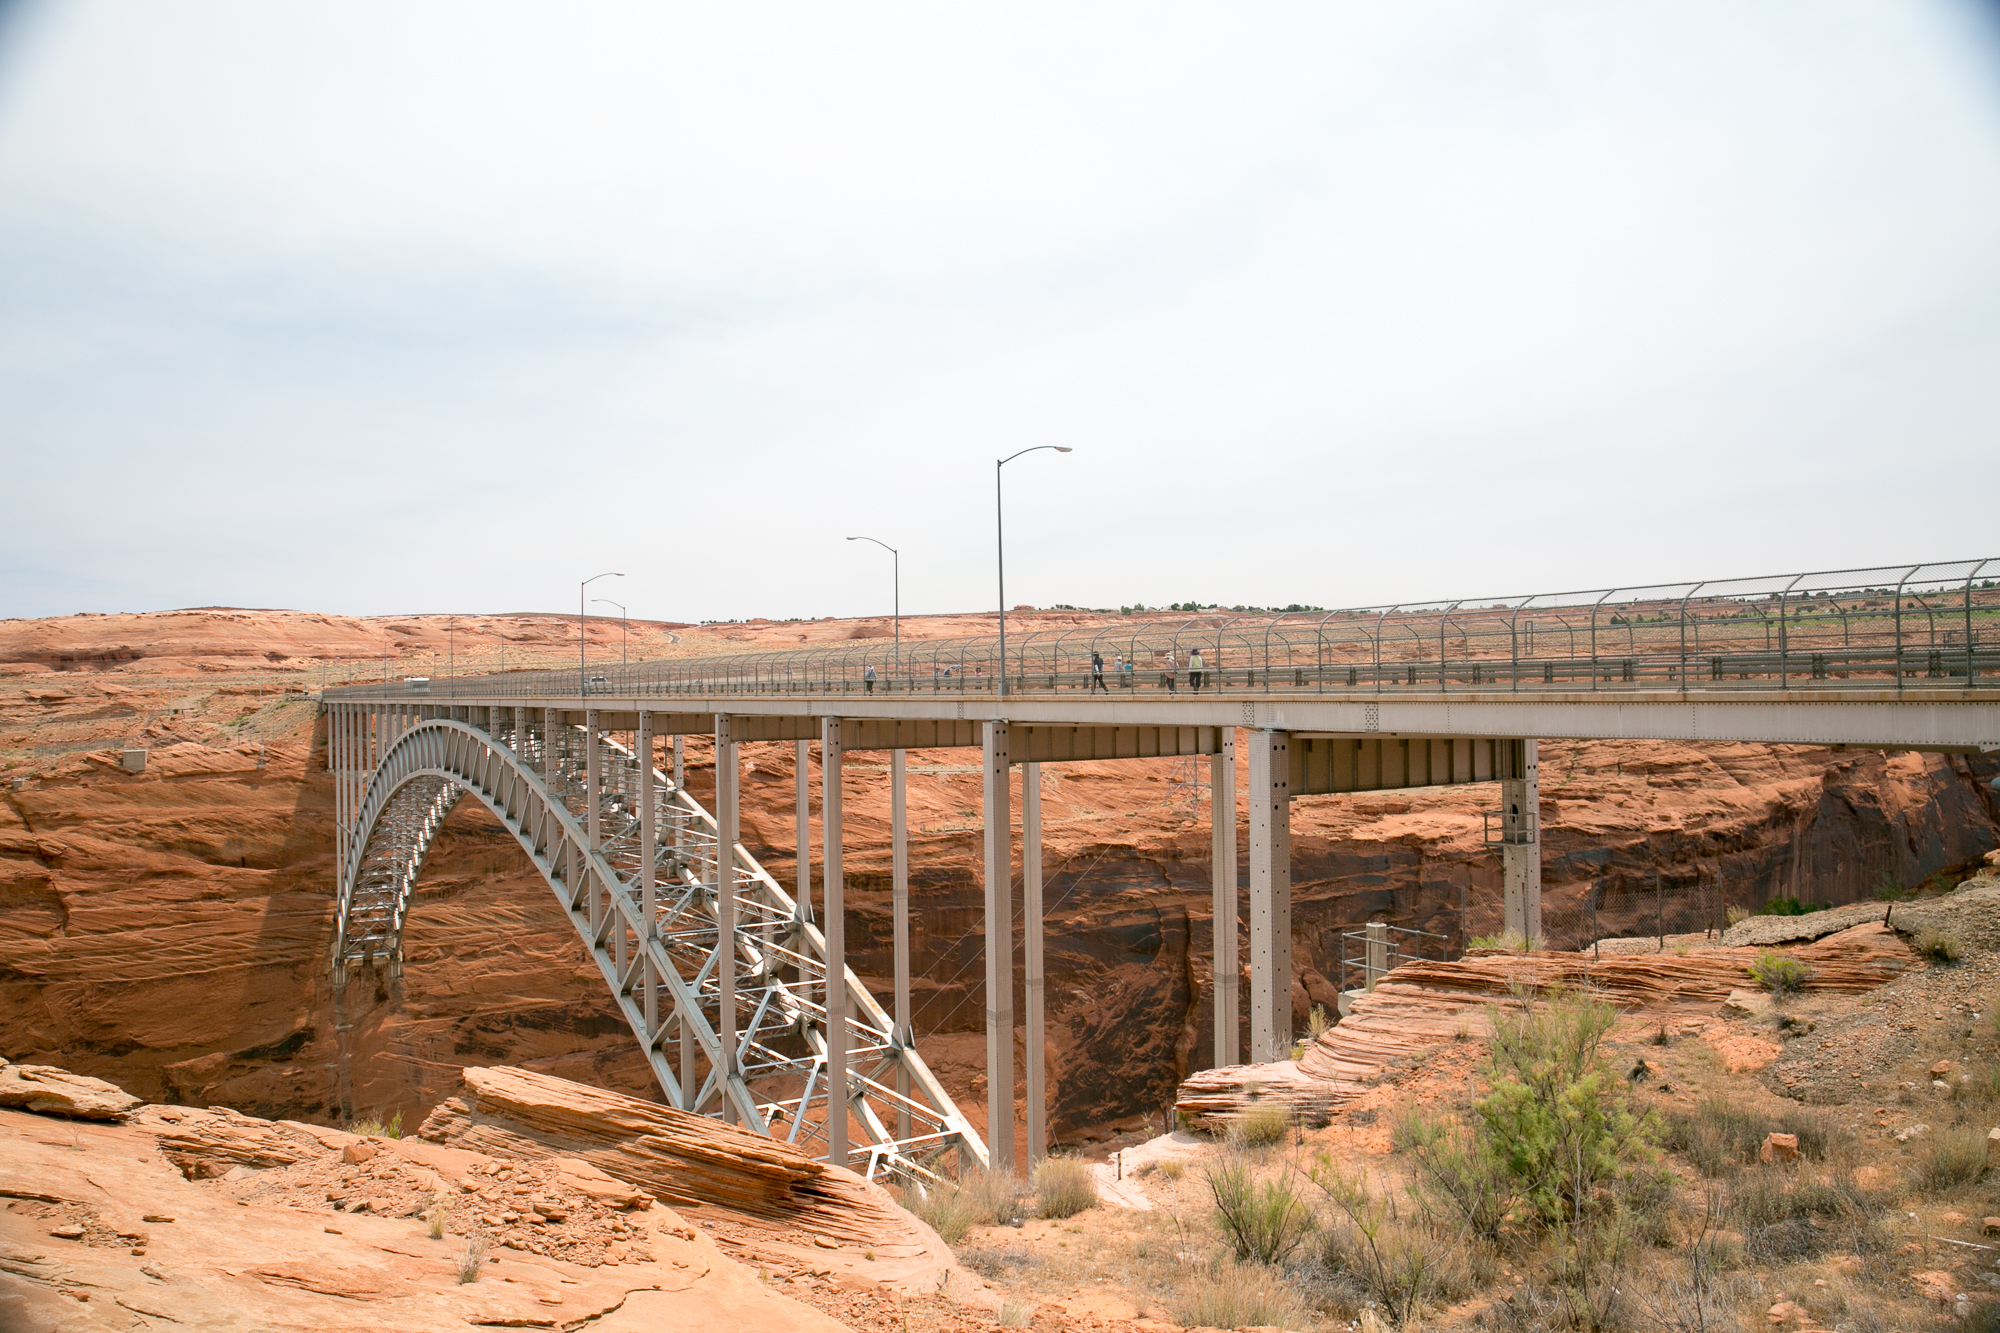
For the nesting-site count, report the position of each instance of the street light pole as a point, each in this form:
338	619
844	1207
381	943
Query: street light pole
621	625
896	566
1000	544
582	681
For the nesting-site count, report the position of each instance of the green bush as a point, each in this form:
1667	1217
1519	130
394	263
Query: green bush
1451	1176
1063	1187
1399	1265
1781	974
1555	1117
1265	1221
1790	907
1940	946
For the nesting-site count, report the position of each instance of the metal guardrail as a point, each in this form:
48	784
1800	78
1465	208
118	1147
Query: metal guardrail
1910	627
1380	948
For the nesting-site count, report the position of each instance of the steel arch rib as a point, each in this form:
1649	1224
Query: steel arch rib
433	764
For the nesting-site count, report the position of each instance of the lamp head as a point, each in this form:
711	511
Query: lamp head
1064	449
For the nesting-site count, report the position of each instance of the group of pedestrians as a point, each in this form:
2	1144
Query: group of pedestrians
1170	670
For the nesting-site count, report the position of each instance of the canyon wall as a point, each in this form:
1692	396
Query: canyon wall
168	929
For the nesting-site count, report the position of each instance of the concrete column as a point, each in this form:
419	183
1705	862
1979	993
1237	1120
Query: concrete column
1031	923
549	729
520	732
899	898
649	848
680	785
999	947
1375	958
1270	896
1222	862
1521	854
834	885
802	811
593	777
727	817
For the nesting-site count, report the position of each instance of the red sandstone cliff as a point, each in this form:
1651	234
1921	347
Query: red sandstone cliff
168	929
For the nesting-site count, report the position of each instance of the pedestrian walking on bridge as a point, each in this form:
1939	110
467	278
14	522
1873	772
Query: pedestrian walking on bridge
1195	670
1170	675
1097	674
868	679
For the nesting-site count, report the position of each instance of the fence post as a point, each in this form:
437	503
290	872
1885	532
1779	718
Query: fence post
1377	961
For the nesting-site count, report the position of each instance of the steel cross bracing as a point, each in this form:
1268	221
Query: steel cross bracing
662	966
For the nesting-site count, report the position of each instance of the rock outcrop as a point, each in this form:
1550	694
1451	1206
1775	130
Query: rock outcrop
771	1203
1422	1005
101	1228
48	1090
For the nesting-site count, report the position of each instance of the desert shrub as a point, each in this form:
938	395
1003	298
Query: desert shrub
1266	1221
1719	1135
1317	1022
473	1260
1735	913
1063	1187
947	1207
1888	890
392	1128
1790	907
1015	1314
1400	1265
990	1262
1173	1168
1263	1124
1780	974
1940	946
1452	1177
1556	1119
1949	1160
1236	1295
1513	942
435	1217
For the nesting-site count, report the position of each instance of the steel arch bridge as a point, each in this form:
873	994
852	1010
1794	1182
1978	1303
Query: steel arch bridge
585	809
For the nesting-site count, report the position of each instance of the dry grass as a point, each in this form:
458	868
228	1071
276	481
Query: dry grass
473	1261
1229	1294
1949	1160
1263	1125
1063	1187
1720	1135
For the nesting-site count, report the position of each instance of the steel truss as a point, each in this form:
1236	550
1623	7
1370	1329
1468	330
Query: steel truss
656	938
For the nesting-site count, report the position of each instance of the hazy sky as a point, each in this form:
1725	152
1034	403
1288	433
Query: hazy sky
393	307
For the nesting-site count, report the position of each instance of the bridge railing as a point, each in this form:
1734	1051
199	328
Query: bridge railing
1904	627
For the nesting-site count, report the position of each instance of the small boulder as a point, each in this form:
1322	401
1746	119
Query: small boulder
1779	1148
1785	1312
1990	1226
1747	1004
355	1154
67	1231
1993	1147
1915	1132
1942	1069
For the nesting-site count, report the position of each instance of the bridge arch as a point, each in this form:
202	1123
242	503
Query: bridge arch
656	939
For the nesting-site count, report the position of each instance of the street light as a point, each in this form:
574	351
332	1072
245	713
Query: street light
896	566
621	625
582	681
1000	544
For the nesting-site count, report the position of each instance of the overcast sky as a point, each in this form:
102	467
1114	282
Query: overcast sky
401	307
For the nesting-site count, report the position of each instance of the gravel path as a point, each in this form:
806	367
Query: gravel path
1800	929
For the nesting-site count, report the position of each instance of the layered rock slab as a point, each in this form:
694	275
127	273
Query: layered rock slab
99	1229
766	1201
1423	1003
